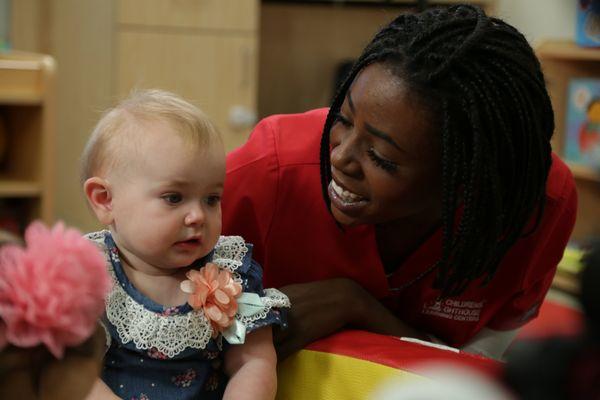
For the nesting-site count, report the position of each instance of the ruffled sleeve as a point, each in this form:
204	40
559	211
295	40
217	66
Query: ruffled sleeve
230	250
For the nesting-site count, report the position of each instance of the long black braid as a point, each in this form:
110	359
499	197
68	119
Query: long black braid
495	120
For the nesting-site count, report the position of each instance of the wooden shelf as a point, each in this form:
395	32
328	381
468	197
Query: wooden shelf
566	50
584	172
19	189
27	113
20	98
22	77
562	61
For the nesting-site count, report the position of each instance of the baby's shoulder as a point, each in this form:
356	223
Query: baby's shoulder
98	238
231	251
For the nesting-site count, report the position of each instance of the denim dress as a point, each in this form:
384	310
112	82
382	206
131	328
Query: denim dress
156	352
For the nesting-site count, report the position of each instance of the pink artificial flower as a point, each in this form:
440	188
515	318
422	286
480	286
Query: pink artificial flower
51	292
214	291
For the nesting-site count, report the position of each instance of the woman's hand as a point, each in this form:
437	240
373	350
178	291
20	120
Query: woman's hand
324	307
318	309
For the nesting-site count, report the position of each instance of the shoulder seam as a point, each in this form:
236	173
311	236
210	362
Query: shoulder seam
278	169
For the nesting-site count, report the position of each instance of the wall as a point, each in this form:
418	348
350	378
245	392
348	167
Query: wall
81	41
539	19
301	46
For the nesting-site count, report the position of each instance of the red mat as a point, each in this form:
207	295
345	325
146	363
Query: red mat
555	319
397	353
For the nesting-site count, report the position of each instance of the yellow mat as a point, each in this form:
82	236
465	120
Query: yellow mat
315	375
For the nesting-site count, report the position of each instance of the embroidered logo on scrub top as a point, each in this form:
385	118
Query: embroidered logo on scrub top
456	310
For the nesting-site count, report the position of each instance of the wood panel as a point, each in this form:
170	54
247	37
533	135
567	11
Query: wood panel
28	25
81	40
213	71
200	14
301	46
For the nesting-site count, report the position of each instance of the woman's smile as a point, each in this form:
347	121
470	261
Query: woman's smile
345	201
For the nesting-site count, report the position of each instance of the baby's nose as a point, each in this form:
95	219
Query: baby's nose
194	216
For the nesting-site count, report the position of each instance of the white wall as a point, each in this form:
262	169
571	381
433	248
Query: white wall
540	19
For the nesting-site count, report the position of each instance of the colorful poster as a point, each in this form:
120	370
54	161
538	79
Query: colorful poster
583	122
587	28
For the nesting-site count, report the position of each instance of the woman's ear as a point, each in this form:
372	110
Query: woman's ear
97	192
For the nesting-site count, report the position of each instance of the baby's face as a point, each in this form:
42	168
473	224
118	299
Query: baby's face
166	204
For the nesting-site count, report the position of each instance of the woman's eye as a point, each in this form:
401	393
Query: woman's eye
213	200
382	163
172	198
342	120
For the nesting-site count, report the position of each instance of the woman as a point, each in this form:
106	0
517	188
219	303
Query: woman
425	202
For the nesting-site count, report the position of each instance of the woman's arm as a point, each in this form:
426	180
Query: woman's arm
491	343
324	307
252	368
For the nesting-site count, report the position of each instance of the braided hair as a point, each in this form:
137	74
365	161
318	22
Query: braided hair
484	85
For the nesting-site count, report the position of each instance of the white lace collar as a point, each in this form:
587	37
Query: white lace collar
169	334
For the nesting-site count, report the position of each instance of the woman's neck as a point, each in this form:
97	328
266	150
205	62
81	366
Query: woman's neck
397	240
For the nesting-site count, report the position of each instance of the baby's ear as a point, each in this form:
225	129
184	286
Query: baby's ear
97	192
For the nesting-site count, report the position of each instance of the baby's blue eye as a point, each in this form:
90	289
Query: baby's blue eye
172	198
213	200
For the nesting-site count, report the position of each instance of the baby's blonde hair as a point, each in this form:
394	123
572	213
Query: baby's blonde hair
118	126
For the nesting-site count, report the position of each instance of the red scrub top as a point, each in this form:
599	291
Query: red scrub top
273	199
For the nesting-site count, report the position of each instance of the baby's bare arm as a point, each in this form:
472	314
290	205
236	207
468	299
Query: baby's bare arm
252	368
101	392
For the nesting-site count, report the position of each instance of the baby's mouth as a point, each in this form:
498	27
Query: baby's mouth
191	242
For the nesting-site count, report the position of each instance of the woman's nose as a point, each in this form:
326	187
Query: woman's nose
344	154
195	215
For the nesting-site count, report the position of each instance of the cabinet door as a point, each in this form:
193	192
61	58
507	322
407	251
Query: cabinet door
216	71
239	15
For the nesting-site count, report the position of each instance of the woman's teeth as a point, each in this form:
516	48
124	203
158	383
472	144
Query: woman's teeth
345	195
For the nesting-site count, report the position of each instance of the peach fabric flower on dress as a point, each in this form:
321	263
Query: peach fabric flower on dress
214	291
51	292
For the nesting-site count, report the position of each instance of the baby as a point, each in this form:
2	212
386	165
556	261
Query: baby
187	308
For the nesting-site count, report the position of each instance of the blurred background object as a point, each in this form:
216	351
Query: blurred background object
446	381
563	367
52	293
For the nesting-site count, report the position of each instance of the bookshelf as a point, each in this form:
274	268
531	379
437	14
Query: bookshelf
27	156
562	60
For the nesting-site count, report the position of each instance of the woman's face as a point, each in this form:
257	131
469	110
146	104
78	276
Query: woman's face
385	156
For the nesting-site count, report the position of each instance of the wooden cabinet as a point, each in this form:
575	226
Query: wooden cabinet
561	61
26	139
203	50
